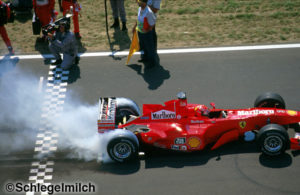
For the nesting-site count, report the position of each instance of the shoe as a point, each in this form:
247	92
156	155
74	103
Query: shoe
11	50
56	62
124	28
116	23
77	35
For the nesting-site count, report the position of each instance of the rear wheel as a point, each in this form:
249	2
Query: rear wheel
122	149
273	139
125	108
269	100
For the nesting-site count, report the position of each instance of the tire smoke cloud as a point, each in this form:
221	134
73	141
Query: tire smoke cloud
21	106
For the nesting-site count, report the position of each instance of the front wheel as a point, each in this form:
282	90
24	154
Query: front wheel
273	139
122	149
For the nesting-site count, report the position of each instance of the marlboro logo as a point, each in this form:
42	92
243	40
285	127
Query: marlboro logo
163	114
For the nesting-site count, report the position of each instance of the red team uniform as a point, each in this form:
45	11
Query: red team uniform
66	7
3	32
44	9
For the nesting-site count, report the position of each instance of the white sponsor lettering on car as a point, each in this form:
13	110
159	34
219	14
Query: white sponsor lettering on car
255	112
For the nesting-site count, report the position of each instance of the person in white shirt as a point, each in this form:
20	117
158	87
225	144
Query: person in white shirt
155	7
144	26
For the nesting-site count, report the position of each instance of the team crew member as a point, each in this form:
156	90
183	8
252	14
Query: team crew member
118	8
155	7
144	26
4	16
65	7
63	41
44	10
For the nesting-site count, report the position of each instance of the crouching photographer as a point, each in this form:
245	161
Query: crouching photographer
63	41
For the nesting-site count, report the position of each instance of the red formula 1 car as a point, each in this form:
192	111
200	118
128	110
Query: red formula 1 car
177	125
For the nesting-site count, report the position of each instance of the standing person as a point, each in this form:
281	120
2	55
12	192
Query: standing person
4	16
65	7
144	26
118	9
44	10
155	7
63	41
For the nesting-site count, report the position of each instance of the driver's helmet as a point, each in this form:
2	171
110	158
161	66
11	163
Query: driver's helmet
201	110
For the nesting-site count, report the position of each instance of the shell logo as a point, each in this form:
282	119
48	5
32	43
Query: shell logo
194	142
292	112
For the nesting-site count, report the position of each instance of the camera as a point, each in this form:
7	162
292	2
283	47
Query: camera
52	27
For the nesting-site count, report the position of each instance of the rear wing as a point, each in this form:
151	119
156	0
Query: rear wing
107	113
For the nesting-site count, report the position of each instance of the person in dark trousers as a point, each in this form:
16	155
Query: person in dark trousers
118	9
155	7
44	10
65	7
63	41
4	16
145	23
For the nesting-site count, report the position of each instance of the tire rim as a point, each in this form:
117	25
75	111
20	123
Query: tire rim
273	143
122	150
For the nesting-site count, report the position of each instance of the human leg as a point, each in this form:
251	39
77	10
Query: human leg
114	7
68	61
56	52
6	40
150	49
122	13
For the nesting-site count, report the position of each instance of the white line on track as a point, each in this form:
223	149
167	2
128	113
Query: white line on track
173	51
40	84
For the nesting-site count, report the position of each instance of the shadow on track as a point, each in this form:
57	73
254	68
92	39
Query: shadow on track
153	76
158	158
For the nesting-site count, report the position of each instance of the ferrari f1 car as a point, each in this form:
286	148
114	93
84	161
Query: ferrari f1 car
178	125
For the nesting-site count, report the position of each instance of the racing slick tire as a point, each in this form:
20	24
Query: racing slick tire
122	149
125	108
269	100
273	139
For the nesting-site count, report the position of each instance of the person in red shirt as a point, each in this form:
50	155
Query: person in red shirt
5	15
44	9
65	7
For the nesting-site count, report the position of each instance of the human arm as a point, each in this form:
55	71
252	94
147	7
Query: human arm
62	43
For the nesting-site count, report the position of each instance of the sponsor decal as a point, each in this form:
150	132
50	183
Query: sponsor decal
280	111
163	114
183	148
255	112
149	138
194	142
175	147
178	117
291	112
180	140
196	121
242	124
144	117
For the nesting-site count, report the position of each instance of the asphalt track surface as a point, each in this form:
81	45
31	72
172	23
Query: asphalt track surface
231	79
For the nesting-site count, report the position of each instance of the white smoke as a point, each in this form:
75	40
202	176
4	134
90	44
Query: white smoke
21	107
